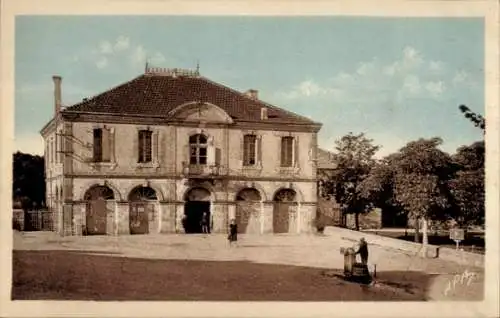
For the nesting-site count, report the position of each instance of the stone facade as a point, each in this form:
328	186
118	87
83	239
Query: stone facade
72	174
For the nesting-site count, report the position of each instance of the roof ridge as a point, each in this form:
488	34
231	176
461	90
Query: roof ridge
257	100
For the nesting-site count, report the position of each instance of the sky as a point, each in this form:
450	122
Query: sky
394	79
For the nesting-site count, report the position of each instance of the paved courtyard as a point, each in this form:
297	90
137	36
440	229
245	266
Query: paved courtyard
279	262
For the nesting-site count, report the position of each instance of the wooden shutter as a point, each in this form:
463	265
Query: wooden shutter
155	150
218	156
186	152
211	151
61	146
139	146
97	145
106	145
259	149
296	159
148	146
241	153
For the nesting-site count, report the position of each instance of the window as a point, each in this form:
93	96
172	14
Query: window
286	151
249	142
102	145
145	145
97	145
198	150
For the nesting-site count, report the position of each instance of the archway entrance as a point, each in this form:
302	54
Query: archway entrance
197	201
142	203
99	207
284	211
248	211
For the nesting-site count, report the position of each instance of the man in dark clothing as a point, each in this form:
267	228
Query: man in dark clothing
363	251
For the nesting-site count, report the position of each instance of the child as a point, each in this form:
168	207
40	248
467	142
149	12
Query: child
233	232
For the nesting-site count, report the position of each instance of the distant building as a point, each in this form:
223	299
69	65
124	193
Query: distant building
150	155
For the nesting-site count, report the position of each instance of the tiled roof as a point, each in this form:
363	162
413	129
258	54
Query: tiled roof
157	94
326	160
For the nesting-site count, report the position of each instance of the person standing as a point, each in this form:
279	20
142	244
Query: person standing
363	251
204	223
233	232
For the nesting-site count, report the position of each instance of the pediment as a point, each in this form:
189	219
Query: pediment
201	112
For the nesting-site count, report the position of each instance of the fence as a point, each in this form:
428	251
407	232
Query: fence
34	220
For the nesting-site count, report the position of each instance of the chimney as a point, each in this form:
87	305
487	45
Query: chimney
252	93
57	93
263	113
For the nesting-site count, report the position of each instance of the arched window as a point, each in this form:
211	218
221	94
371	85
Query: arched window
198	145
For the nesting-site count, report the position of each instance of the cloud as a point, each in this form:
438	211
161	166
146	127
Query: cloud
435	88
29	143
101	63
436	66
120	51
122	43
372	82
460	77
138	56
105	47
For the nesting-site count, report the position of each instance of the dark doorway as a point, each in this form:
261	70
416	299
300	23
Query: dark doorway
193	212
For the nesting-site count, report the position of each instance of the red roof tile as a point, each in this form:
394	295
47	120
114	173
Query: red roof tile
157	94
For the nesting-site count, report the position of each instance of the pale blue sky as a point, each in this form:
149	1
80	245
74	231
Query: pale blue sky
396	79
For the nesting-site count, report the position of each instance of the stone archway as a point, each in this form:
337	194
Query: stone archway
284	211
142	210
248	211
100	204
196	202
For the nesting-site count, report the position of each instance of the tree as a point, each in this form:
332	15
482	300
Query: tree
28	179
354	157
422	171
477	119
378	188
468	185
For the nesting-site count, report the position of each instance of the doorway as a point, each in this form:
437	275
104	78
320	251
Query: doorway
193	212
197	201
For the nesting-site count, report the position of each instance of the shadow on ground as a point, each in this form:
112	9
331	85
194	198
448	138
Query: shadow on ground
78	275
472	243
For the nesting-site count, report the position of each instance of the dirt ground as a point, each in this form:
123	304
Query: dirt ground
197	267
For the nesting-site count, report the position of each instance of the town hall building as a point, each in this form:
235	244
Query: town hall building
153	154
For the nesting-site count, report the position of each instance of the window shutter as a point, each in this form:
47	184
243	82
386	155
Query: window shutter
296	158
218	155
112	157
186	154
106	145
258	145
211	151
62	145
155	151
241	153
137	143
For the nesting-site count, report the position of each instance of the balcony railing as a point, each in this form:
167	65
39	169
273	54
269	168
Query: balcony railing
196	170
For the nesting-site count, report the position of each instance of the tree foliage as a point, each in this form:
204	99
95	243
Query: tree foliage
477	119
412	180
354	157
28	185
467	187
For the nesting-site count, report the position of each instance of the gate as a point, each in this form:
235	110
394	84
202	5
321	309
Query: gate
141	213
96	218
285	211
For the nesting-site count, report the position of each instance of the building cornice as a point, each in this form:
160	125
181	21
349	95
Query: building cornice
162	120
